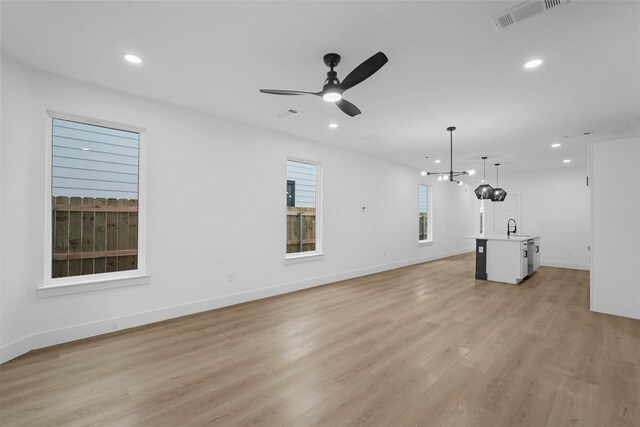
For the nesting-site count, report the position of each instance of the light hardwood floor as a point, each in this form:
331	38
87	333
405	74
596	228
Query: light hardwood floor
423	345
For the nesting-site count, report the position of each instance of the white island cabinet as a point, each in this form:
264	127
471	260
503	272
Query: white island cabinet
507	259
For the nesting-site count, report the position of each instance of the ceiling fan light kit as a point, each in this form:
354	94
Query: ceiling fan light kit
332	96
449	176
484	191
333	89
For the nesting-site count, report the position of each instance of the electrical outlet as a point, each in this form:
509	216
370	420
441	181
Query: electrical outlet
229	277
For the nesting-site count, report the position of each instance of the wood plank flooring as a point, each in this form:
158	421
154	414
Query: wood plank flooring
425	345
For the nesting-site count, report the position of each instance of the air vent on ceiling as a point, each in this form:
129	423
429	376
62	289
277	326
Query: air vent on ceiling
524	11
579	135
374	138
286	113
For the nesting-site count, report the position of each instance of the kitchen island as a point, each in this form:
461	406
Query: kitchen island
506	258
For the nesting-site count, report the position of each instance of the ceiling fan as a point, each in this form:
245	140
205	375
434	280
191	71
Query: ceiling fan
333	88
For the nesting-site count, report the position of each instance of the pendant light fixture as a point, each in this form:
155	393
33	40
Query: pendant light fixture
498	193
448	176
484	191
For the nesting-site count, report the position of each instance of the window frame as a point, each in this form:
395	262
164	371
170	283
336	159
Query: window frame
429	239
295	257
90	282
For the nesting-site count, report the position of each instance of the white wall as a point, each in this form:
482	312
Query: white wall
555	205
200	223
615	204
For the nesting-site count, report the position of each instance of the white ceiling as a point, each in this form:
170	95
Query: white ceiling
448	65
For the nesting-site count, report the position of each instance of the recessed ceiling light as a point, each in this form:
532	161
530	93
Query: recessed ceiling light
533	63
436	161
133	59
459	182
439	178
566	161
472	171
556	145
423	173
85	149
445	177
333	125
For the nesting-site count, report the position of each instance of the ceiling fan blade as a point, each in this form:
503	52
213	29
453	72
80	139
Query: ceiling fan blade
288	92
348	108
364	70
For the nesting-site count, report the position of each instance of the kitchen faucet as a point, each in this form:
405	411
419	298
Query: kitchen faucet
515	228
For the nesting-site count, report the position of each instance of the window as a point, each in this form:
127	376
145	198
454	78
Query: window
424	217
302	207
95	200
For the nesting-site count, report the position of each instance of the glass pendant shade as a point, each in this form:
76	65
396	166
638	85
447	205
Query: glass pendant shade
498	193
484	191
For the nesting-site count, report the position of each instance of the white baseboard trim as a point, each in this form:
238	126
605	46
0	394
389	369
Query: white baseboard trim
15	349
59	336
630	315
572	266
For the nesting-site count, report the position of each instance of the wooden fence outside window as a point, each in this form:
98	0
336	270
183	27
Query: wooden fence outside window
94	235
423	229
301	229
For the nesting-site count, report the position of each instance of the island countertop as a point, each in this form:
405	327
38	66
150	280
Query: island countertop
513	237
508	259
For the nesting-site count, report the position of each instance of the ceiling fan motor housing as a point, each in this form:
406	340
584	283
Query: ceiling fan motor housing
331	60
332	80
